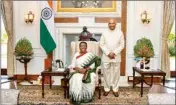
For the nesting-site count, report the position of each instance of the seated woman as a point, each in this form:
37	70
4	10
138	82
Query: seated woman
82	75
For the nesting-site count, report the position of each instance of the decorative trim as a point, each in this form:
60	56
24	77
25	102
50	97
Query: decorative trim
102	25
147	79
66	20
99	14
112	9
106	19
123	27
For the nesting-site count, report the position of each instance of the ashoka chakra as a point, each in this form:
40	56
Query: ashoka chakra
46	13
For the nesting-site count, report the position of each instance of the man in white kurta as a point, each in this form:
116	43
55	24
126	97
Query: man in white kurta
111	43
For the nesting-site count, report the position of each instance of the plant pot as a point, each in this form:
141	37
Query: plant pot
23	59
143	62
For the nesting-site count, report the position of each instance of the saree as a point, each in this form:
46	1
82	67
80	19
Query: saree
82	86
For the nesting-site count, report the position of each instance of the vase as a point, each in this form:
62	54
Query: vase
143	62
146	63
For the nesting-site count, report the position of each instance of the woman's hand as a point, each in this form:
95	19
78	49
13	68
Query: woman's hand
82	71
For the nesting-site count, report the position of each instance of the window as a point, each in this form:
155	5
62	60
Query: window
4	39
171	44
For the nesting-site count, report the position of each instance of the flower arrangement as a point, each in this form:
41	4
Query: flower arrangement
143	48
23	48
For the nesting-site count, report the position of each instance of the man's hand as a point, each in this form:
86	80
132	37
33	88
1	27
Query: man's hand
111	55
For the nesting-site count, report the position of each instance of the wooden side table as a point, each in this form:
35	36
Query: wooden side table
147	73
56	73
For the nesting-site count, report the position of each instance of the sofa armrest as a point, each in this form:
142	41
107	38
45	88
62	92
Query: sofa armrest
9	96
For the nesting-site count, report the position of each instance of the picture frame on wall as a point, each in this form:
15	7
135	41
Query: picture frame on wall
86	6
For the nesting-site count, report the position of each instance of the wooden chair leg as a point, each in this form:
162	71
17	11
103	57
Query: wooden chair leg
99	83
99	89
68	88
68	92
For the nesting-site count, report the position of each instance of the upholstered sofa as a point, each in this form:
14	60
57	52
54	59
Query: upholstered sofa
159	94
9	96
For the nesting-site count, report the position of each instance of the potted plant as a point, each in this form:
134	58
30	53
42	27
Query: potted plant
24	53
23	49
143	49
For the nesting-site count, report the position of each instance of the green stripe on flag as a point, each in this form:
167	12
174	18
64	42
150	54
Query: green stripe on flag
46	39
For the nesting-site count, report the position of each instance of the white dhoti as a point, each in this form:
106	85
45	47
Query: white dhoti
112	41
111	74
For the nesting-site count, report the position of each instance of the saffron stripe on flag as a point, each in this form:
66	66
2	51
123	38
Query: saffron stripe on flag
50	3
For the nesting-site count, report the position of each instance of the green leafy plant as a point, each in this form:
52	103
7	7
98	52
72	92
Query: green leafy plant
23	48
171	44
171	37
143	48
4	38
172	50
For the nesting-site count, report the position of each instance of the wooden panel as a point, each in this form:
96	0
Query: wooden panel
173	73
123	27
47	63
147	79
106	19
4	71
33	77
21	76
66	20
50	55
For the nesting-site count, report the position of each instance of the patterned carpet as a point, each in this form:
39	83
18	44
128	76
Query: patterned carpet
32	95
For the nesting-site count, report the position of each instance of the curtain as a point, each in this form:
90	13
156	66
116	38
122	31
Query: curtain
7	15
168	20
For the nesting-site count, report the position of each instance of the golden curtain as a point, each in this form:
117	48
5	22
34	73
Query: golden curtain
7	14
168	20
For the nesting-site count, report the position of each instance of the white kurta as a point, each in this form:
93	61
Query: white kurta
79	90
111	41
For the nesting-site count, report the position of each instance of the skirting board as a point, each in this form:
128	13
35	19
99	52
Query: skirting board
32	77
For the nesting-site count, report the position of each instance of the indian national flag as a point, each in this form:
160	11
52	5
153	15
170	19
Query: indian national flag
47	26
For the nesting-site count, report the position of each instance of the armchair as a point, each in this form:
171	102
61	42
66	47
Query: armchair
94	48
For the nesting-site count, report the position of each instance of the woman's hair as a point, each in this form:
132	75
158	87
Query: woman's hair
81	43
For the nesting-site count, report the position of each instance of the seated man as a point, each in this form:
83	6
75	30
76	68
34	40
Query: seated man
82	75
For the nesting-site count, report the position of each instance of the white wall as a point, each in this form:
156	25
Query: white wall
135	30
31	32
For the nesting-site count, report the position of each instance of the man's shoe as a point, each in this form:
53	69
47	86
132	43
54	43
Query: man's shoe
105	93
116	94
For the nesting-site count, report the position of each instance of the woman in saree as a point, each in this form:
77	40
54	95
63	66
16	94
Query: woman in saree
83	75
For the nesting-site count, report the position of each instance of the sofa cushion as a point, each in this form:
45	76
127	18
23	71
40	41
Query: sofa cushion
9	96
